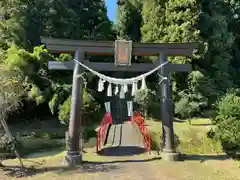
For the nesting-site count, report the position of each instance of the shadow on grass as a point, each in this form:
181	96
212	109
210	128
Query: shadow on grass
16	171
203	158
207	124
44	152
86	167
179	120
123	161
122	151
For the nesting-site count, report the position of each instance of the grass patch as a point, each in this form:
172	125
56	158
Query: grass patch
33	145
190	138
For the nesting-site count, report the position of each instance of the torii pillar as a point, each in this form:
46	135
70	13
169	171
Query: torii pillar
169	151
73	142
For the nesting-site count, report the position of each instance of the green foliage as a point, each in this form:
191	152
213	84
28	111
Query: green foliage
129	20
8	145
144	98
190	105
11	91
53	103
153	20
32	68
90	110
64	111
214	23
191	101
36	94
227	122
205	22
23	22
24	62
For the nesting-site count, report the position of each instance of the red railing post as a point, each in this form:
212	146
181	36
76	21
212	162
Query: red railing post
101	130
143	129
97	141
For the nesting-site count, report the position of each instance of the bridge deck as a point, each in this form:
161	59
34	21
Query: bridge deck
124	139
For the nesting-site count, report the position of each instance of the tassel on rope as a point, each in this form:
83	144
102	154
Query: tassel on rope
116	90
122	93
144	85
109	90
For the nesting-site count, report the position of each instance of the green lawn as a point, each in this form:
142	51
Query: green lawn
192	137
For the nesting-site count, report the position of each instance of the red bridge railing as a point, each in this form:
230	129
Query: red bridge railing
101	131
138	119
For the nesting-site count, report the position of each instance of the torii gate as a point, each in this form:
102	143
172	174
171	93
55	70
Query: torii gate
163	50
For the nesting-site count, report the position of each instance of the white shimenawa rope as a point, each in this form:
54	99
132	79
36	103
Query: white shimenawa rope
121	82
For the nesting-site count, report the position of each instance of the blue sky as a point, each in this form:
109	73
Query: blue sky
111	9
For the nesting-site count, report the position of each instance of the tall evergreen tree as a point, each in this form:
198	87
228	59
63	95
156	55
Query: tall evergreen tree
201	21
78	19
128	22
153	15
214	28
233	11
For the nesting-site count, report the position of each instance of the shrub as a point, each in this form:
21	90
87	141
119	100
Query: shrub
144	98
227	122
190	102
7	146
64	111
90	109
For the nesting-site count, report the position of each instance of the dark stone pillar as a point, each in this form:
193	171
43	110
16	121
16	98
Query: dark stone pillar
169	152
74	148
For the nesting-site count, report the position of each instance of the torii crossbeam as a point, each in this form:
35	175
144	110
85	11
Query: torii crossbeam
163	50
